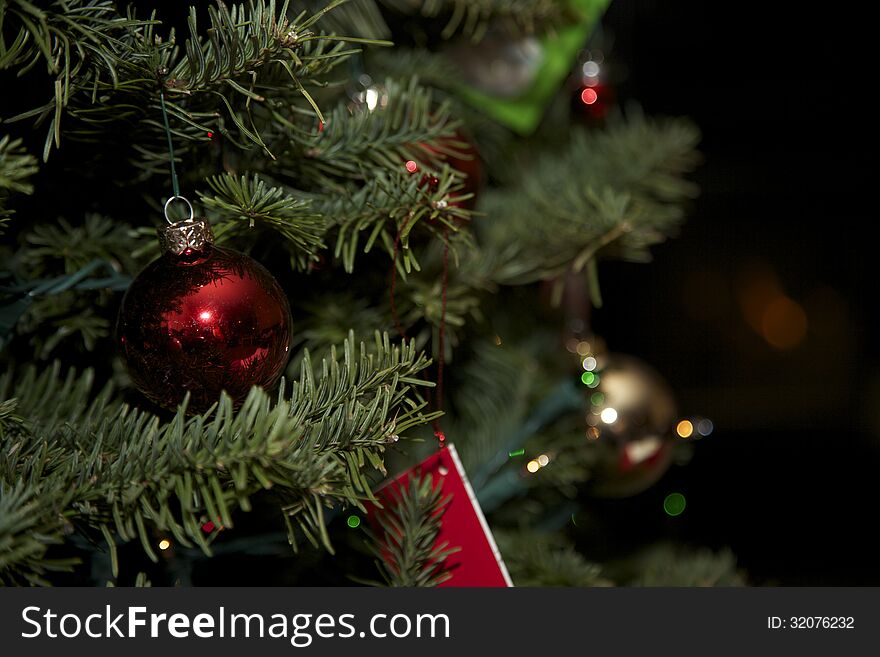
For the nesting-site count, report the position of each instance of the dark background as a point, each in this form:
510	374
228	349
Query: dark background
788	480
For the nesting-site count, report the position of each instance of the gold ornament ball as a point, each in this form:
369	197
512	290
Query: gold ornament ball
630	416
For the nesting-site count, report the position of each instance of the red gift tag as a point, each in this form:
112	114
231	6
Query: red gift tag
478	562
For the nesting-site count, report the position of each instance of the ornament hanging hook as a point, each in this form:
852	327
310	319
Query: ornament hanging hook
178	198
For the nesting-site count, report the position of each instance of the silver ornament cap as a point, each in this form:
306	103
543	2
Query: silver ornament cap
191	234
183	236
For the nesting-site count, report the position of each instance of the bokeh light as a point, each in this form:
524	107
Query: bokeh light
589	96
705	427
543	460
674	504
533	466
608	415
587	378
685	428
164	544
353	521
590	69
784	323
371	97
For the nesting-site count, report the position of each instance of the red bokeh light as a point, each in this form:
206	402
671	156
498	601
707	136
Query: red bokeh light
589	96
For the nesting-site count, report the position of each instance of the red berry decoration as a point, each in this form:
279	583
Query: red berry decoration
466	162
202	319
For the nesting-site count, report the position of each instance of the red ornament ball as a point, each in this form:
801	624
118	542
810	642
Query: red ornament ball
204	321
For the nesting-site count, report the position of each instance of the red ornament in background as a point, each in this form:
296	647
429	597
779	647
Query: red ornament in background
466	162
202	319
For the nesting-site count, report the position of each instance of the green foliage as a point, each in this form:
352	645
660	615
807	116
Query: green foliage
105	466
386	211
29	525
326	322
248	201
58	299
609	193
541	559
405	546
254	62
65	247
16	166
474	17
353	143
668	565
361	18
494	391
76	40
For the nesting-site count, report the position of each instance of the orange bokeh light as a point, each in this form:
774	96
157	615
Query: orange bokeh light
784	323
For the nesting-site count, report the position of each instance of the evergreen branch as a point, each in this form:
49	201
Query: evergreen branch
250	202
61	283
493	392
328	320
62	247
251	65
29	525
76	39
474	17
16	166
668	565
348	406
387	208
616	192
353	143
405	545
362	19
540	559
433	69
252	61
125	469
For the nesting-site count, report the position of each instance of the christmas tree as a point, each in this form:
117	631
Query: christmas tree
430	185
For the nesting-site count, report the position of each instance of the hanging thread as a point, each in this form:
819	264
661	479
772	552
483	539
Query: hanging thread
393	286
175	186
441	336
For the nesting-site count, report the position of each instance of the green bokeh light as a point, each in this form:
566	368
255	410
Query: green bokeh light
516	452
597	399
587	378
674	504
353	522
